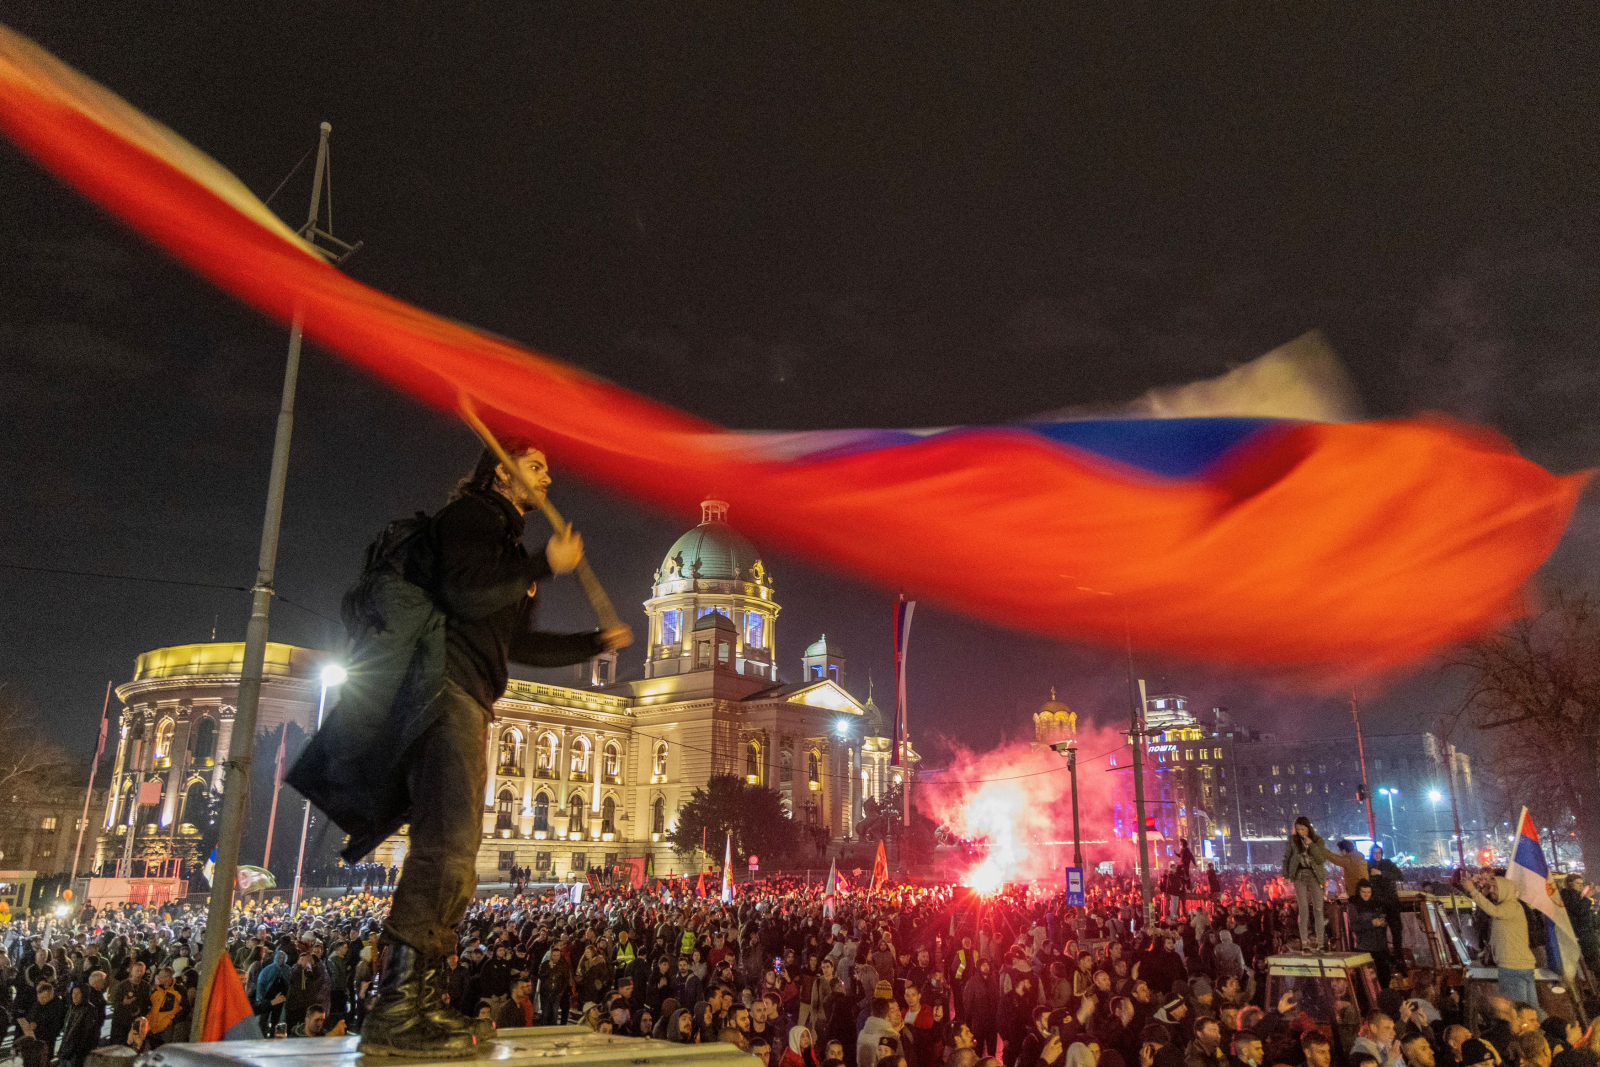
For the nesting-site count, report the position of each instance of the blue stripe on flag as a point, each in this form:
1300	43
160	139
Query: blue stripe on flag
1530	857
1174	448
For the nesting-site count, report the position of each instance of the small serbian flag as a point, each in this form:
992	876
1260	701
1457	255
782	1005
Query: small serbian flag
229	1016
1237	521
1531	874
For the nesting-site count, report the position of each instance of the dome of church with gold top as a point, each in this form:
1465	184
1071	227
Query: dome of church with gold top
1054	721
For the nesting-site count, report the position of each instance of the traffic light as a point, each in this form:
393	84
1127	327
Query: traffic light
1149	822
1486	857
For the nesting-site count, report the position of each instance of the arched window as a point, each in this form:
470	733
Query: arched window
786	766
195	815
511	750
660	766
205	740
658	816
504	810
163	746
608	816
814	769
541	813
575	813
611	761
545	758
752	761
580	757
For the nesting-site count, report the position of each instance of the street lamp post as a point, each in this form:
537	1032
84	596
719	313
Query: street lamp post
332	675
1434	797
1394	831
1069	749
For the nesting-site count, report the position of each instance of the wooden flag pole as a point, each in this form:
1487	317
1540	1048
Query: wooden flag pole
598	600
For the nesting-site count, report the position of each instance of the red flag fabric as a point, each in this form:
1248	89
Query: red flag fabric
228	1004
880	869
1325	550
700	885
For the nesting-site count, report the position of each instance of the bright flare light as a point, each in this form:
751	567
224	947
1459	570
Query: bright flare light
334	674
986	877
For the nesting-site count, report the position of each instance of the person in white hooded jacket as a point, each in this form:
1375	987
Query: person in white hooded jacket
1508	933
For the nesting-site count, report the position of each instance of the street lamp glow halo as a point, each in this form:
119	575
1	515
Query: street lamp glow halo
334	674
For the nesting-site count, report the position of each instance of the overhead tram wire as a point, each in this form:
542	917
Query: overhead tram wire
68	572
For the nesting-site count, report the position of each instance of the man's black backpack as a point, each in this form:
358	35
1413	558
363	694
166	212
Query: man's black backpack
404	549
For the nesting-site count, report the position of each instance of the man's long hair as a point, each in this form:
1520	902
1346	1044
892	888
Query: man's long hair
484	474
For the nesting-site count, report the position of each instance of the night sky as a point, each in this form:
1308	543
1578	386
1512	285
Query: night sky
801	216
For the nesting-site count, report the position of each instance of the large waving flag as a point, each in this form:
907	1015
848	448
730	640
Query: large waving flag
1531	874
1327	549
830	892
727	871
880	870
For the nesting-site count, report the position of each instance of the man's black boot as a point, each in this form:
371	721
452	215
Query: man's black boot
442	1016
397	1025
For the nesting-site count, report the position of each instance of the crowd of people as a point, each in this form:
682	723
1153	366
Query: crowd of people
911	976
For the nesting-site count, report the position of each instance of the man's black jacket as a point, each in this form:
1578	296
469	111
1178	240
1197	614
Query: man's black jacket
464	630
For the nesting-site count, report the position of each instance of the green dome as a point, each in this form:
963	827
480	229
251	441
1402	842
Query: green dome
820	647
720	552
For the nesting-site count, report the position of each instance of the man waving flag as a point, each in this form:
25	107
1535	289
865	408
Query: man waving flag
1531	873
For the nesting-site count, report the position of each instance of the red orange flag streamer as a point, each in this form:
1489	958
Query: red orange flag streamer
1329	550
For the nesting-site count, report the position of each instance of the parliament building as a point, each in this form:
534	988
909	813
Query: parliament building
581	776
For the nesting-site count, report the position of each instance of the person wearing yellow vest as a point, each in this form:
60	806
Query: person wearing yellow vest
625	952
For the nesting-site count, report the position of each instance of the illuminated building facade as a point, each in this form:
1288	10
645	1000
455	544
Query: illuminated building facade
580	776
590	775
173	737
1233	792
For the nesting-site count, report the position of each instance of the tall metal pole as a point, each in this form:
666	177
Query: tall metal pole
236	778
1072	770
305	817
99	750
1361	754
1137	738
277	787
137	776
1455	812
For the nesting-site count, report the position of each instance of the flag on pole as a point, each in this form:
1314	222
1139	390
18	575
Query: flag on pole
100	745
211	865
830	892
700	885
1531	874
727	871
1237	521
229	1016
902	638
880	869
